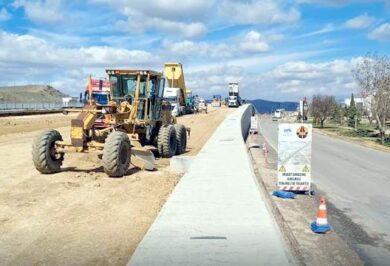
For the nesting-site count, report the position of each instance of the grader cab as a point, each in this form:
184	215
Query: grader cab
134	126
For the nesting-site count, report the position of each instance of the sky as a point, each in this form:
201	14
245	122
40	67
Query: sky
276	49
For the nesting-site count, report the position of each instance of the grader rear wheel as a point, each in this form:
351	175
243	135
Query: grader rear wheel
45	157
181	139
116	154
166	142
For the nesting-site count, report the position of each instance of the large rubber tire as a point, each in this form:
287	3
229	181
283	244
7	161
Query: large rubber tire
116	154
181	139
166	142
44	155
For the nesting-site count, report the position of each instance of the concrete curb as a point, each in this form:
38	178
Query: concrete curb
216	214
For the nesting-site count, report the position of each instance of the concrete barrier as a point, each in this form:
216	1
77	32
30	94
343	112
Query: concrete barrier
216	214
246	119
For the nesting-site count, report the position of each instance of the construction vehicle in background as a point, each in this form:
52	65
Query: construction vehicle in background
217	101
97	91
136	124
202	106
278	114
190	102
234	96
174	96
176	92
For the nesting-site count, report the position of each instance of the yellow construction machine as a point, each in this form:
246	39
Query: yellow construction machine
133	126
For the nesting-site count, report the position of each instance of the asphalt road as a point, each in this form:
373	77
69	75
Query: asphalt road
356	182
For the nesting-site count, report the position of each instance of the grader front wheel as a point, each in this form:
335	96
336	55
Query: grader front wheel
45	156
116	154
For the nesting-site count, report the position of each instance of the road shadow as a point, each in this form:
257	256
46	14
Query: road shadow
100	169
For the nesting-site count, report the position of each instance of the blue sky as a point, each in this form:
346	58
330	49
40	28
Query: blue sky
277	50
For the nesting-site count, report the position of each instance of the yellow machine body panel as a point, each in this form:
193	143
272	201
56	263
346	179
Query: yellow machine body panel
83	122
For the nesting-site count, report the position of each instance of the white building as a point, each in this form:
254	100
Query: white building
69	102
362	102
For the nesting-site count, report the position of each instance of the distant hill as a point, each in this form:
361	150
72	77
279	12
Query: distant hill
30	94
264	106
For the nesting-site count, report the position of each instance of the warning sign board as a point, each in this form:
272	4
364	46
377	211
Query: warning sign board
294	157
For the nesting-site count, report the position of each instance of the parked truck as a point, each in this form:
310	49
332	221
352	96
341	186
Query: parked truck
234	96
175	92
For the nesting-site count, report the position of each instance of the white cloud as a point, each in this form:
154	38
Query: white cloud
198	49
381	33
214	80
339	3
42	11
335	3
258	12
360	22
296	79
4	15
253	43
166	9
176	17
136	23
33	50
44	62
326	29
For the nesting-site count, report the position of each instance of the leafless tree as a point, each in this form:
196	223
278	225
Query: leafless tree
322	107
372	74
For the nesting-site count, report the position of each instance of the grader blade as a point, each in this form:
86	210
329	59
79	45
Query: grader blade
142	158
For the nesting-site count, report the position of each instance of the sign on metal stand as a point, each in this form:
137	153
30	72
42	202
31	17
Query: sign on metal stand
253	129
294	157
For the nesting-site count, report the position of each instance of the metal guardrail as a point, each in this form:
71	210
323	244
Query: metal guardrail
9	106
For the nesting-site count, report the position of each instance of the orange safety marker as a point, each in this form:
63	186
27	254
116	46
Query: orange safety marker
320	225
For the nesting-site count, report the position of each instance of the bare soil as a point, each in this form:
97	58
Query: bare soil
79	216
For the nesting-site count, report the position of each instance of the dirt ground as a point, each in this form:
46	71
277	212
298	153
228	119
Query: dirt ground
79	216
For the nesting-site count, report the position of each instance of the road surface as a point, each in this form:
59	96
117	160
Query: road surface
356	180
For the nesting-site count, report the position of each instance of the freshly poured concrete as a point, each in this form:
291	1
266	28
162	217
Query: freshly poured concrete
216	214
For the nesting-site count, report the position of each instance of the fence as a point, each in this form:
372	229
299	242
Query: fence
9	106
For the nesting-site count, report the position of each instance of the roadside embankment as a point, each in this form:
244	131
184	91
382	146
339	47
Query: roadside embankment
216	214
294	216
6	113
30	123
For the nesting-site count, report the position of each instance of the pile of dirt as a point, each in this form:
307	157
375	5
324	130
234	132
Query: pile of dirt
31	94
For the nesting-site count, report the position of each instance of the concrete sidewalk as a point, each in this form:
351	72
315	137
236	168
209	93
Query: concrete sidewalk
216	214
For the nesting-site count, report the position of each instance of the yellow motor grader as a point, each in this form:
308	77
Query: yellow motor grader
134	125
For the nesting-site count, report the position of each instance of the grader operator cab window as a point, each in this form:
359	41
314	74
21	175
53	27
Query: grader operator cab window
122	86
151	91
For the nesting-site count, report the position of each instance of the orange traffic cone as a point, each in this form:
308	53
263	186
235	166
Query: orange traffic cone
320	225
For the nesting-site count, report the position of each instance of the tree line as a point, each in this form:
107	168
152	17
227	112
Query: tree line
372	75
